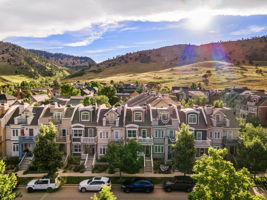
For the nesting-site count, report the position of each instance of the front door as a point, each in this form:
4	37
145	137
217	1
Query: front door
89	149
147	151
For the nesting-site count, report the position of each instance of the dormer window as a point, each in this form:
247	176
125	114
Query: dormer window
192	119
137	116
111	118
57	115
85	116
164	116
218	118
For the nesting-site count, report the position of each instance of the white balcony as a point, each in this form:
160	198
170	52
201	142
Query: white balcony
145	141
203	143
88	140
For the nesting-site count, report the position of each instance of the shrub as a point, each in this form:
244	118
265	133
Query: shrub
79	168
74	160
99	168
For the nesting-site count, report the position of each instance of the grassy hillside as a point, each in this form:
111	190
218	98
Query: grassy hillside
69	61
227	63
17	64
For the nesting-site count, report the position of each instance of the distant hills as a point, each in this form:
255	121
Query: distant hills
69	61
16	61
236	57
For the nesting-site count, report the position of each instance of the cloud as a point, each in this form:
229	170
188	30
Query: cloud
32	18
249	30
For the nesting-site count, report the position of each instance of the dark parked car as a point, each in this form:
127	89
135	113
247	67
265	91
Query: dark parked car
183	183
141	185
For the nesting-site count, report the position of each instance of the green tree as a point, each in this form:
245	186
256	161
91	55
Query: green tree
200	100
47	156
105	194
124	156
7	184
87	101
101	99
184	151
193	86
218	104
217	179
110	92
56	84
252	151
69	90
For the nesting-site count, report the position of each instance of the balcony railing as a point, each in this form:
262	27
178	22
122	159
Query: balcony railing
145	141
26	139
203	143
88	140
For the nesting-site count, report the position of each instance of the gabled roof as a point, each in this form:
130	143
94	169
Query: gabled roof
76	118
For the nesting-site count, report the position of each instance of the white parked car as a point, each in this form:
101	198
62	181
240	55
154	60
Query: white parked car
94	184
43	184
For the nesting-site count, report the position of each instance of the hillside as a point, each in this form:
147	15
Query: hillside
231	63
69	61
17	63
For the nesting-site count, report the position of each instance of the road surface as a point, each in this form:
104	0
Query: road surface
72	193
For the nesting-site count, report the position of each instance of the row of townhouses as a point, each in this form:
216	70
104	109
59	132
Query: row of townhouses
85	131
246	103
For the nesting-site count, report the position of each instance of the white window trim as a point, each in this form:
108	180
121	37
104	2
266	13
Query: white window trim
16	147
136	133
79	149
189	117
66	131
141	117
89	116
161	134
158	148
142	133
103	134
118	133
102	149
197	132
77	129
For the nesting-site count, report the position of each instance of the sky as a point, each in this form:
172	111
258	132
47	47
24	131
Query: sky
103	29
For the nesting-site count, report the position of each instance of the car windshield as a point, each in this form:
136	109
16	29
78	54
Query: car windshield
90	180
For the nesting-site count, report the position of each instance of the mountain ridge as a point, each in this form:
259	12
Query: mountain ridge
66	60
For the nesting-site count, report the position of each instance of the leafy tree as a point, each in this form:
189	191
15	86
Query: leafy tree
217	179
124	156
193	86
87	101
69	90
184	151
110	92
105	194
200	100
252	151
56	84
47	156
101	99
218	104
253	120
7	184
94	84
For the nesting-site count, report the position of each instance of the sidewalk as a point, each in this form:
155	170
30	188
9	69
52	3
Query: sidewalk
90	174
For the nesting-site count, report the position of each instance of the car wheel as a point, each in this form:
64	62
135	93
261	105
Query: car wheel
30	190
83	190
49	189
147	190
127	190
168	189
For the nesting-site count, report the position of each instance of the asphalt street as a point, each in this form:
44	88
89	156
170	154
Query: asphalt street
72	193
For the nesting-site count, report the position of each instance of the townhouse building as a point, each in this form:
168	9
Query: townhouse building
152	120
22	128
